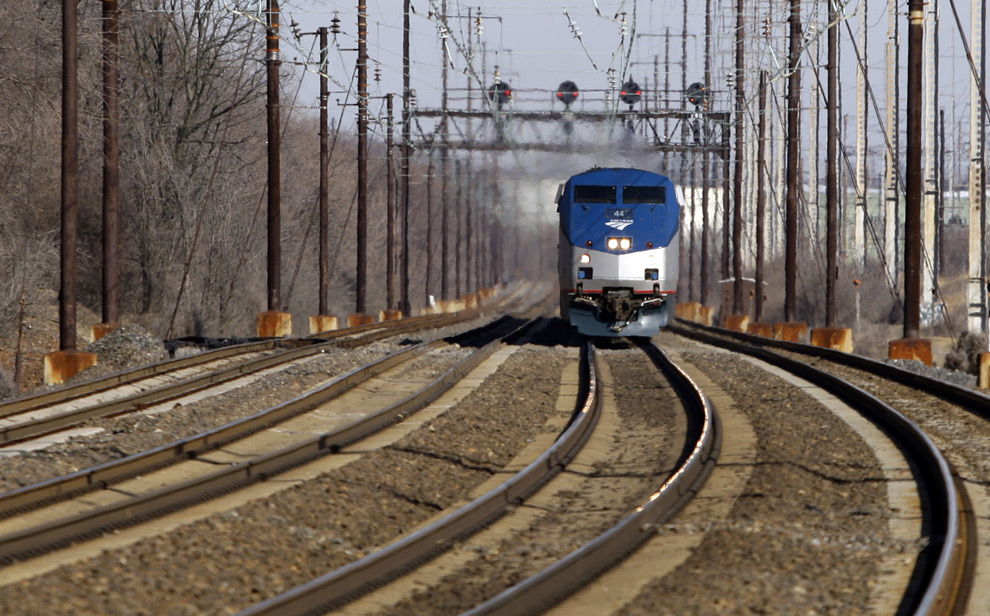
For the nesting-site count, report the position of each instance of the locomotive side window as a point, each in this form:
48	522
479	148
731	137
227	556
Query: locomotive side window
594	194
644	194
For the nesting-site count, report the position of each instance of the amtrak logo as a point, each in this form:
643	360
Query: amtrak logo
619	224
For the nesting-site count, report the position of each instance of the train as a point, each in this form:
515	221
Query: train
617	259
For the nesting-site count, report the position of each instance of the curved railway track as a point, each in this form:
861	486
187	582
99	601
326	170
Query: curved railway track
936	584
694	459
941	581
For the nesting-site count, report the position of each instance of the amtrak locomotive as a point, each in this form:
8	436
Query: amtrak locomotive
618	251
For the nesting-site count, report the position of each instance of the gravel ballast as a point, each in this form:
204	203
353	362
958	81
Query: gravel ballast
128	434
811	528
221	564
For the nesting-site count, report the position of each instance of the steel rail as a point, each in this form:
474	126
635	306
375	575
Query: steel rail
938	574
974	401
345	338
564	577
103	475
31	402
36	401
32	428
35	540
347	582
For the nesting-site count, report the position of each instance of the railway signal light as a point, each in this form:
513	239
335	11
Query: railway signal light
697	93
567	93
630	93
500	93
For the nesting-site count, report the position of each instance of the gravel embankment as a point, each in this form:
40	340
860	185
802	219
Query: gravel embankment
224	563
811	528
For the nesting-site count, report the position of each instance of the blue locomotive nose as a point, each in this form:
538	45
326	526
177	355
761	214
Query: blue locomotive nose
618	251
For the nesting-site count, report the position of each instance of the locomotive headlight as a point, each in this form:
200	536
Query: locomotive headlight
618	243
585	258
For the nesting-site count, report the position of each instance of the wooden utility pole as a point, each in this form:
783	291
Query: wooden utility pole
976	294
111	166
69	281
832	167
792	163
914	181
430	282
67	361
862	182
362	160
274	323
929	207
706	171
892	190
444	168
274	170
390	208
761	199
324	173
406	156
737	284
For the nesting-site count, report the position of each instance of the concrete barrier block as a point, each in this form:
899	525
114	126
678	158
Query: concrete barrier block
690	310
274	324
737	322
984	371
706	315
911	348
322	323
61	366
446	306
790	331
357	319
389	315
102	329
838	338
760	329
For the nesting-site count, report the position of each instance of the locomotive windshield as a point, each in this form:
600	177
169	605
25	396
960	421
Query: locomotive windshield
594	194
644	194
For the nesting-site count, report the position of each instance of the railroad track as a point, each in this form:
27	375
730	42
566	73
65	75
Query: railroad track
684	467
947	573
145	485
137	389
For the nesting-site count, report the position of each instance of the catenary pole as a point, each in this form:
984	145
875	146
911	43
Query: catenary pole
274	171
324	173
914	181
389	206
111	164
792	162
362	160
832	166
406	158
761	198
68	284
737	188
